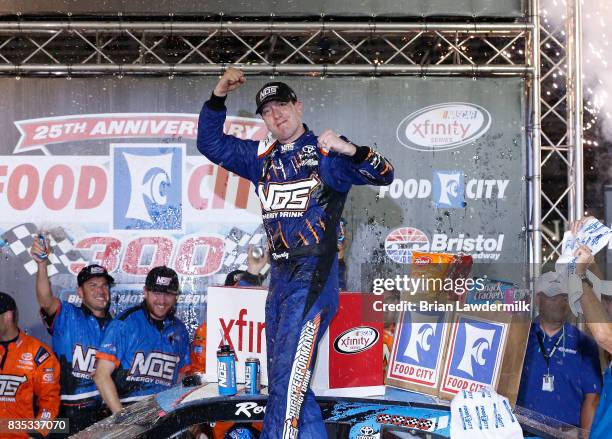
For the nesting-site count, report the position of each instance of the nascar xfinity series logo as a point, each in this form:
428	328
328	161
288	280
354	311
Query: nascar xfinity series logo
447	189
443	126
401	242
153	199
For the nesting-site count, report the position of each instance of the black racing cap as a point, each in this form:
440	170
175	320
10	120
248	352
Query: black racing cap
7	303
163	279
92	271
274	91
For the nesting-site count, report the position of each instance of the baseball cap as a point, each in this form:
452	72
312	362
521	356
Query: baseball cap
91	271
7	303
551	284
274	91
163	279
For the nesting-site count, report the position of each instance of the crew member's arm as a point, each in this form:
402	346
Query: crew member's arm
104	380
587	412
48	303
349	164
595	315
46	386
235	155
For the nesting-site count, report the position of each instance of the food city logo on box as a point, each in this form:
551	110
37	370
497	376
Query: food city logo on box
475	354
401	242
355	340
443	126
448	189
417	353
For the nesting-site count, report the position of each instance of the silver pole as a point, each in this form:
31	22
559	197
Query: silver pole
536	146
214	69
198	27
578	139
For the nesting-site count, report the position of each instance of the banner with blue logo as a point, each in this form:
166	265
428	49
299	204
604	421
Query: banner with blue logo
418	350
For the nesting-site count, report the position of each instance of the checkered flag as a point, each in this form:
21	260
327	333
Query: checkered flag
237	247
20	239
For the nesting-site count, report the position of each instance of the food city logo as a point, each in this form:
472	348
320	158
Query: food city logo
416	355
448	189
401	242
475	355
9	385
355	340
153	197
443	126
156	367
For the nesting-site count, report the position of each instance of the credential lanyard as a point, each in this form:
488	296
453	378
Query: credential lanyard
546	355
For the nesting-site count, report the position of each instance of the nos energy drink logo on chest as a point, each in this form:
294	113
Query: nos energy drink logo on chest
147	186
476	351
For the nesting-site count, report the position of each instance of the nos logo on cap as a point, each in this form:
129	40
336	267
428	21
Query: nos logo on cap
268	91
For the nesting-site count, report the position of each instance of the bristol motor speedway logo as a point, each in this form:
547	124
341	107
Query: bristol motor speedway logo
401	242
475	354
447	189
147	182
443	126
418	348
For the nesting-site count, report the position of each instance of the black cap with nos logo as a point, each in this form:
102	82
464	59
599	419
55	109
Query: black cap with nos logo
92	271
162	279
274	91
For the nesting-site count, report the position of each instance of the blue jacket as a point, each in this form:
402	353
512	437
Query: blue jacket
76	335
302	188
148	354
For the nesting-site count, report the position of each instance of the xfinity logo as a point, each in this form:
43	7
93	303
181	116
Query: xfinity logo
447	189
443	126
292	196
155	365
356	340
9	384
153	199
401	242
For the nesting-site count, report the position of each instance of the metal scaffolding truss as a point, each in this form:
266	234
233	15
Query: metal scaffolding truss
561	122
315	47
85	47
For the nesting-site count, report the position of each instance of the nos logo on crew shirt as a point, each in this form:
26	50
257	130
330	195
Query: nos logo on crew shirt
477	346
420	338
154	365
84	361
287	196
147	187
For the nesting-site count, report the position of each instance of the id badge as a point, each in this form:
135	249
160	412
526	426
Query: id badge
548	383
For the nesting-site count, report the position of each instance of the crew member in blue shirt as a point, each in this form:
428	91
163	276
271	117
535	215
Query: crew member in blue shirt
76	335
145	347
561	374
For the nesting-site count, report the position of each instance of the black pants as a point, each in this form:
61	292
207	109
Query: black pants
79	418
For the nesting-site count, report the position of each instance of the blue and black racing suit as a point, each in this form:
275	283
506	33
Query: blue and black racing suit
302	190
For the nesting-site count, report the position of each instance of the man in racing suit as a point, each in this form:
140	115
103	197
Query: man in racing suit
302	181
29	378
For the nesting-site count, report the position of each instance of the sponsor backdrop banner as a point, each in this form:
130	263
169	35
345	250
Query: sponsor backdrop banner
110	169
507	8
